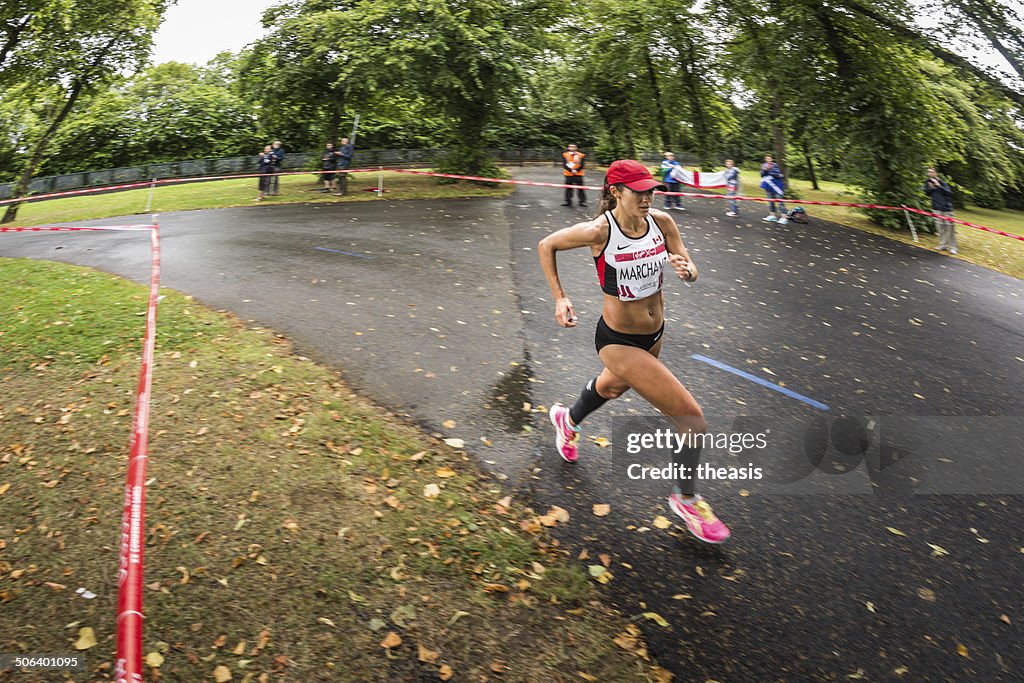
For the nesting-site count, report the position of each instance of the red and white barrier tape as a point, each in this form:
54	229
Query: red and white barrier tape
62	228
177	181
129	601
128	668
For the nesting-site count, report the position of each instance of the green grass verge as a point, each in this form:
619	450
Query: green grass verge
226	193
976	246
288	530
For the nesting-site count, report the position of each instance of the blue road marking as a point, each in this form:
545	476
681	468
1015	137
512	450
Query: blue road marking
757	380
345	253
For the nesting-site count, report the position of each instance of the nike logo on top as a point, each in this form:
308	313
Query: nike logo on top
642	254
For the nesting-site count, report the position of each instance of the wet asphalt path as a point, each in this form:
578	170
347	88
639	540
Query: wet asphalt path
438	310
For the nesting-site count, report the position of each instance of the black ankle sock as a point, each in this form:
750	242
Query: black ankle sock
588	402
689	457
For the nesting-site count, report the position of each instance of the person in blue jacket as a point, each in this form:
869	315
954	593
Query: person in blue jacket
773	182
673	185
278	152
942	205
345	154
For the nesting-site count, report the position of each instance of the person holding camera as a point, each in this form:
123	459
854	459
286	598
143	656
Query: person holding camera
942	205
328	164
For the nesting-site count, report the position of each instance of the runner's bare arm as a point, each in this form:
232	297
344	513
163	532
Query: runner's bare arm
678	256
588	234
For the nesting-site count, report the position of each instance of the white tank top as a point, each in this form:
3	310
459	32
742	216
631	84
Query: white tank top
632	268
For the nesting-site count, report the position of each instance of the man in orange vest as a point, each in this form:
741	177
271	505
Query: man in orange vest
572	167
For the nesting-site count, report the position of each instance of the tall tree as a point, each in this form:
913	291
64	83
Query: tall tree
94	43
465	55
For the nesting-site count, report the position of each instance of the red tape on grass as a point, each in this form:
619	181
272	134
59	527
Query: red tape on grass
62	228
176	181
129	575
130	616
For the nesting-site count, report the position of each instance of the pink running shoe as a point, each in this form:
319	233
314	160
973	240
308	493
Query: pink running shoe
699	518
566	436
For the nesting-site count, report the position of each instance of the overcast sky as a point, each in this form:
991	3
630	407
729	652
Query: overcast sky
196	30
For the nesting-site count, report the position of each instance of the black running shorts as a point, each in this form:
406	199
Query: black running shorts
606	335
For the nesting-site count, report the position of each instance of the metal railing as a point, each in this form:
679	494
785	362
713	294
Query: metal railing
293	161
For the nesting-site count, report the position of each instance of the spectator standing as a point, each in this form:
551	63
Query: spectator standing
265	161
774	183
673	185
572	169
278	152
328	163
345	154
942	204
732	187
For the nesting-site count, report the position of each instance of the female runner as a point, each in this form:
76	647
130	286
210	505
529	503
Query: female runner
631	244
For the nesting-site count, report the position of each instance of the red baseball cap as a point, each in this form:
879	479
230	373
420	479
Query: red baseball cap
633	175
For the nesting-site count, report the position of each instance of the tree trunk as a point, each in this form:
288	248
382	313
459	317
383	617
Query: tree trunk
778	134
659	109
627	132
473	119
941	53
810	167
698	116
992	38
334	124
13	35
37	156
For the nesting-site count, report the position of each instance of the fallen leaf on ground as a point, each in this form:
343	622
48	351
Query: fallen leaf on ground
154	659
431	491
391	640
222	674
86	638
495	588
560	514
448	424
961	650
600	574
656	618
662	675
445	672
602	509
602	442
427	655
938	550
455	443
895	531
661	522
445	472
458	615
